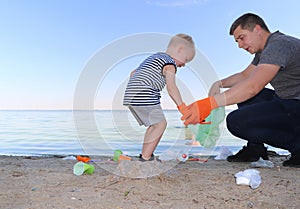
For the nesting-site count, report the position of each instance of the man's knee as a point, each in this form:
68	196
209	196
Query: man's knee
263	96
234	122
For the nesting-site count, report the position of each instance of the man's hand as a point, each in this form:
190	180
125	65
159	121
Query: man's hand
199	110
215	88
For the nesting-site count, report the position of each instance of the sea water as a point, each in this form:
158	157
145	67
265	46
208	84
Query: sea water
67	132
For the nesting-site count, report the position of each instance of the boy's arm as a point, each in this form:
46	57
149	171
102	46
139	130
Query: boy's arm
132	72
169	73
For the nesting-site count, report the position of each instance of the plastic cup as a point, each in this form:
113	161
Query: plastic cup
117	155
81	168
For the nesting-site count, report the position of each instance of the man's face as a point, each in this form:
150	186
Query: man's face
248	40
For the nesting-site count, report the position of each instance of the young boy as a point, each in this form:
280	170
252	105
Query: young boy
142	94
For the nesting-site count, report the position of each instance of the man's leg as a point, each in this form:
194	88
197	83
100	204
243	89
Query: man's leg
276	123
246	122
263	96
251	123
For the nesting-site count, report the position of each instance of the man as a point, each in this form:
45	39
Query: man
263	115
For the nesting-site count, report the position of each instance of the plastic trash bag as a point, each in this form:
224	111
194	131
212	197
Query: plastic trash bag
208	134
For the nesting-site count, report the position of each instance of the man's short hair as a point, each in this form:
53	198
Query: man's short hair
248	21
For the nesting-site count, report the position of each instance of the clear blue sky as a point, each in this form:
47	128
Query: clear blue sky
45	44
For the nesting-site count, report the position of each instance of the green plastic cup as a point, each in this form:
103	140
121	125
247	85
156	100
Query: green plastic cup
117	154
81	168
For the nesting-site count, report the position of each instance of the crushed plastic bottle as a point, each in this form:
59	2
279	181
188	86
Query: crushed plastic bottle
168	155
174	155
182	157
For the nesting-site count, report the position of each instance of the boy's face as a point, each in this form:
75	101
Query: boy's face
183	56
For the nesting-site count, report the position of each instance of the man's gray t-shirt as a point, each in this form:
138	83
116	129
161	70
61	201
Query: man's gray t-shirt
284	51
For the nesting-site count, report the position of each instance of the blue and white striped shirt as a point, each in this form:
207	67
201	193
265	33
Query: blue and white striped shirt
148	80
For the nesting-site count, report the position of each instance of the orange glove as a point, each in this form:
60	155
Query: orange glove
182	109
199	111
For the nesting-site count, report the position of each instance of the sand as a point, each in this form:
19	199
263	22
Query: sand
49	182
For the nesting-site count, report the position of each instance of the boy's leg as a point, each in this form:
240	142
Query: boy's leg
154	118
152	137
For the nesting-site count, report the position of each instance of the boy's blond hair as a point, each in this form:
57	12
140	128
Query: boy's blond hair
182	39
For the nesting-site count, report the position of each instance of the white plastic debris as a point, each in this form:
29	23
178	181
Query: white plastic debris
69	158
224	153
261	163
249	177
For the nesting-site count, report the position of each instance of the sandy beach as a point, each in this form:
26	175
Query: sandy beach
49	182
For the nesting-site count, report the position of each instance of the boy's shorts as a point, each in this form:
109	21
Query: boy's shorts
147	115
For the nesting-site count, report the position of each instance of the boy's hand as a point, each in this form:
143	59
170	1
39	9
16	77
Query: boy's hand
199	110
183	109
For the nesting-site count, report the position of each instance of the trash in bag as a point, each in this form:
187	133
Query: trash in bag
208	134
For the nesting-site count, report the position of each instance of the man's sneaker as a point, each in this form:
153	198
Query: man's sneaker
294	160
250	153
152	158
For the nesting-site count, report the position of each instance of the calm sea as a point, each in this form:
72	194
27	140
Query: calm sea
95	133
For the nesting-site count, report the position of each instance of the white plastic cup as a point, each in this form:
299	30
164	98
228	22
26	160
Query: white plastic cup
81	168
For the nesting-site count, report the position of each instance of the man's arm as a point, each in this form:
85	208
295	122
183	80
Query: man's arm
245	89
239	92
231	80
